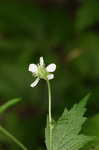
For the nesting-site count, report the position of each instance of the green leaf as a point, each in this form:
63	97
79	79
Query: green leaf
66	131
9	104
91	128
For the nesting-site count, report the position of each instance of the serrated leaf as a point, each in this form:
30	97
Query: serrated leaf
65	133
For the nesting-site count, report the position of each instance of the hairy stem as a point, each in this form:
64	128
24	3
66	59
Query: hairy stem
50	117
4	131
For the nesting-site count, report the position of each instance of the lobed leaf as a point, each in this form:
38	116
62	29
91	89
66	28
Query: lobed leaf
66	131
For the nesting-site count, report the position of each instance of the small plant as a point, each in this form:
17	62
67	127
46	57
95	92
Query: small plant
63	134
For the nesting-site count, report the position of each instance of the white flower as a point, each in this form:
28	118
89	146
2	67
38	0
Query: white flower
41	72
51	68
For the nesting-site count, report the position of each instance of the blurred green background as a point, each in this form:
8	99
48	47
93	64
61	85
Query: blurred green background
64	32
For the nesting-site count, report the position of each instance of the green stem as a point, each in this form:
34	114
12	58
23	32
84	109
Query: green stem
49	92
50	117
4	131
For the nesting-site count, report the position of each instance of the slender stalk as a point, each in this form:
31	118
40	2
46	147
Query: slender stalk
4	131
49	92
50	117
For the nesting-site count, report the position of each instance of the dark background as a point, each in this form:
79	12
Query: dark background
64	32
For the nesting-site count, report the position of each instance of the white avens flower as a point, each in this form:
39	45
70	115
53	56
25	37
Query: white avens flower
35	82
41	72
51	68
33	68
41	61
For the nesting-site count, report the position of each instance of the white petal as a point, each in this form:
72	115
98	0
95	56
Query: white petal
51	68
33	68
41	61
35	82
50	76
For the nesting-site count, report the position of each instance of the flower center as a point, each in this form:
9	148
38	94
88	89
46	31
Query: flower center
42	73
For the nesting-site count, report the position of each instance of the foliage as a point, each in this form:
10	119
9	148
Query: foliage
91	128
68	37
66	131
